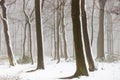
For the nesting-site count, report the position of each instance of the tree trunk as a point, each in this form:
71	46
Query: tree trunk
30	39
55	52
40	62
0	39
58	25
109	4
100	39
61	47
10	54
51	43
92	22
80	61
86	37
63	30
24	41
27	20
25	30
109	36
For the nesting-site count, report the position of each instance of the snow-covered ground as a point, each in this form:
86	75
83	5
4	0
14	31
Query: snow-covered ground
53	71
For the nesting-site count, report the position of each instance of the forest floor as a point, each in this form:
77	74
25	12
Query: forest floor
53	71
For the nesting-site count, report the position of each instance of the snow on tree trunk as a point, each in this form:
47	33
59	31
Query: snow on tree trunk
11	57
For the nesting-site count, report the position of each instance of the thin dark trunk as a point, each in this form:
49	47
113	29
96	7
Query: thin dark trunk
51	43
61	50
0	39
24	41
58	25
63	31
55	52
15	39
21	41
30	39
25	30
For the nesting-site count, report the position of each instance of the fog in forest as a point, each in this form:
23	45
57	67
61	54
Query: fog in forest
59	39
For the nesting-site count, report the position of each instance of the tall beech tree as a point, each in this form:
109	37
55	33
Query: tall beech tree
40	61
7	38
92	18
100	39
63	28
86	37
27	24
80	61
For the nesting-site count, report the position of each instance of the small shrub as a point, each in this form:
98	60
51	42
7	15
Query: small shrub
109	58
24	60
113	57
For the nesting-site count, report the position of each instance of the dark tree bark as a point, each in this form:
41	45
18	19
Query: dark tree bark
86	37
9	51
100	39
40	62
80	61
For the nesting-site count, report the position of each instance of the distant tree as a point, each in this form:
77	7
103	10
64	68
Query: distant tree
80	60
109	27
24	41
58	29
86	37
100	39
27	24
0	38
55	42
7	39
40	61
63	28
93	8
57	17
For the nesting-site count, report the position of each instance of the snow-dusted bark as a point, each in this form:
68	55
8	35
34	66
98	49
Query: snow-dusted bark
11	57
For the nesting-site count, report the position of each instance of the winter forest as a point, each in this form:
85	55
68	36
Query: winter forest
59	39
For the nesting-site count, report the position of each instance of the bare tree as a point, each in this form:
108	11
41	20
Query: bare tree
27	23
100	39
40	61
80	61
86	37
58	15
0	39
63	28
7	38
109	6
93	8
